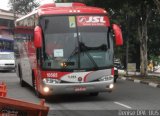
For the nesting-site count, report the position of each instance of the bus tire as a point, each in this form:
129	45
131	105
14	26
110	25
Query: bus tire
37	93
94	94
22	83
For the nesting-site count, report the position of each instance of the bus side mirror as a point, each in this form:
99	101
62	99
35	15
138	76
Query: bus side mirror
118	34
38	37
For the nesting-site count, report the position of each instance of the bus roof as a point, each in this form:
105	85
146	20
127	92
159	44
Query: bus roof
65	8
69	8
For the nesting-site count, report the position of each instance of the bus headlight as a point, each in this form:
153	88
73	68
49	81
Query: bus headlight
106	78
50	81
46	89
111	86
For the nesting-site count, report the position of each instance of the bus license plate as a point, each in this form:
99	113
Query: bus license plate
80	89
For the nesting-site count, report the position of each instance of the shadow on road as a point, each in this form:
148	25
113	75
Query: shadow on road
74	98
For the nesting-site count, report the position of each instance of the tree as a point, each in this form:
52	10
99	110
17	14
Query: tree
143	13
157	3
154	29
23	6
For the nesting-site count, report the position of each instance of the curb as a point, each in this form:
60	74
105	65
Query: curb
140	81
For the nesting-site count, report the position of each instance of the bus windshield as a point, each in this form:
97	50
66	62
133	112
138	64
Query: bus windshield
76	43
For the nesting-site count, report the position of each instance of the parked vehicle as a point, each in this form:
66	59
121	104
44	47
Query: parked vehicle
7	61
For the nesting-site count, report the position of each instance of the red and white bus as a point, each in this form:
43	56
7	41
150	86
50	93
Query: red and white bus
66	48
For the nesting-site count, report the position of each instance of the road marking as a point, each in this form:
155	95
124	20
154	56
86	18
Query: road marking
126	106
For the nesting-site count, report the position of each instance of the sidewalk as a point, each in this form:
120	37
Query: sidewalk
153	79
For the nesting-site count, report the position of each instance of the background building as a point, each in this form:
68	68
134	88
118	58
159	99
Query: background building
6	30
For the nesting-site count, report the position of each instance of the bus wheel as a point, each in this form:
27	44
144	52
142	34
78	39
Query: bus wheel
94	94
37	93
22	83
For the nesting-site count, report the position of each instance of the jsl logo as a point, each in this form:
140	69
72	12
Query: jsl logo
91	19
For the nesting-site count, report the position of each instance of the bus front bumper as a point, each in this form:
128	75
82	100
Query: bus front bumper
71	88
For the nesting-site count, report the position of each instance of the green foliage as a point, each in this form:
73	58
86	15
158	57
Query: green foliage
153	35
23	6
155	59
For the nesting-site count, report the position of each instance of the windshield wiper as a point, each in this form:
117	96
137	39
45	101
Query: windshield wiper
85	49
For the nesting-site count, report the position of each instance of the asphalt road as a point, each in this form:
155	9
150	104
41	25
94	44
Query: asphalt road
126	96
